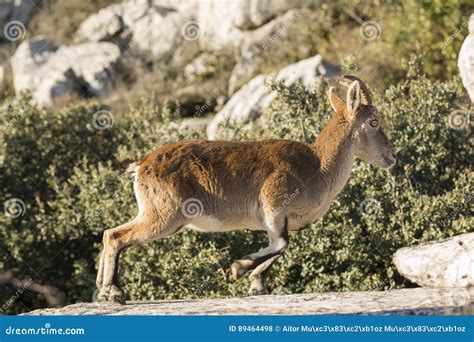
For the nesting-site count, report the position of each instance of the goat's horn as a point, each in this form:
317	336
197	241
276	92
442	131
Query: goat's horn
366	97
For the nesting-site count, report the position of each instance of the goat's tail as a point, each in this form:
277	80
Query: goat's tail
127	166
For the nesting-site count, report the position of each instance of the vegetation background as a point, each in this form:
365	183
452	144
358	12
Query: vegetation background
63	168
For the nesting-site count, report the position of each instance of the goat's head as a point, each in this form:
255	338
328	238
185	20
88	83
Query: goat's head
372	144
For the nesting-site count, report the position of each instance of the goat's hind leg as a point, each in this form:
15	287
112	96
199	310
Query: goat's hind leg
116	240
100	271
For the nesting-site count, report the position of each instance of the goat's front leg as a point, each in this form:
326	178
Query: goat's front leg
263	259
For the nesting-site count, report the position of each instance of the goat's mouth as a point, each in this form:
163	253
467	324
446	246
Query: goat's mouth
389	162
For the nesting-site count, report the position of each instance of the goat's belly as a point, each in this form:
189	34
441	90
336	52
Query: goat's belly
213	224
301	220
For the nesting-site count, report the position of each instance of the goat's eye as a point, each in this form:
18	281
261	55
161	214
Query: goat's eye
374	123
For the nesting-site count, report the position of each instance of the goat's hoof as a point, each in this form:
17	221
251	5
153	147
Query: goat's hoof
239	268
257	291
257	285
110	293
101	295
116	295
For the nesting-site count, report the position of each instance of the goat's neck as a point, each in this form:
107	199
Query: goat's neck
335	148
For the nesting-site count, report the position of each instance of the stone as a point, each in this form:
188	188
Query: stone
201	67
439	264
255	97
236	21
256	43
415	301
165	27
28	58
162	28
466	60
251	14
51	73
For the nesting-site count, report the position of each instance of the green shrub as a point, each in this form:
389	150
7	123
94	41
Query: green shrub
62	167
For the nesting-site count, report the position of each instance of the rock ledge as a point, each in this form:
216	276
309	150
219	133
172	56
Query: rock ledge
416	301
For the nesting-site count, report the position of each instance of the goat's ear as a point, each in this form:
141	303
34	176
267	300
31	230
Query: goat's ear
336	102
353	97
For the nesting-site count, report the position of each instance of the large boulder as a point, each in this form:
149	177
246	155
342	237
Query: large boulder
254	98
439	264
14	16
466	60
236	19
51	73
168	28
28	58
251	14
164	29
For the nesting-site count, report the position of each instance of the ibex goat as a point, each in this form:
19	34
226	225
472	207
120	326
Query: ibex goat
272	185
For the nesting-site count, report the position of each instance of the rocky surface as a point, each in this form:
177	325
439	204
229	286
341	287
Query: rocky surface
266	38
236	21
466	60
417	301
251	100
445	263
51	73
164	29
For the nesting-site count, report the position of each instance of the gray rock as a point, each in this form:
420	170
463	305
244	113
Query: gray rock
165	27
446	263
250	14
466	60
194	124
236	21
254	98
162	28
255	44
202	66
28	58
51	73
418	301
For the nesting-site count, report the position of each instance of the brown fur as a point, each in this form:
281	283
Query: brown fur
272	185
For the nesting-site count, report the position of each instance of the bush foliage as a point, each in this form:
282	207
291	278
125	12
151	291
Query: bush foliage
62	167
